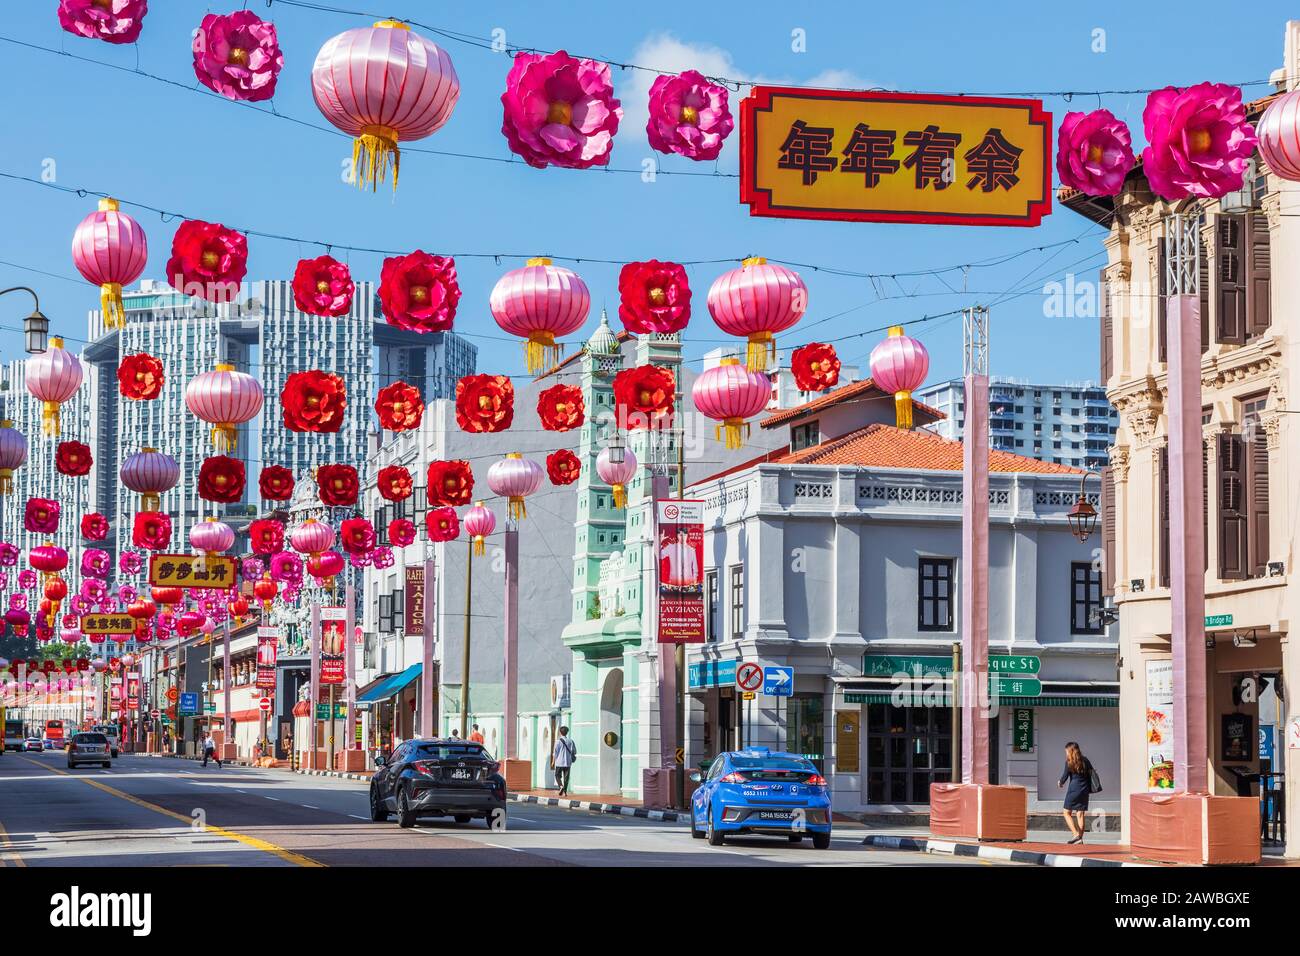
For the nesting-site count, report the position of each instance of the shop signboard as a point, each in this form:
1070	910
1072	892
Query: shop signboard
705	674
848	732
340	711
1022	730
680	554
414	603
107	624
191	571
1160	728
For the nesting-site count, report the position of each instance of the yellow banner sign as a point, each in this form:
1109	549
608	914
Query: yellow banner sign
191	571
895	157
107	624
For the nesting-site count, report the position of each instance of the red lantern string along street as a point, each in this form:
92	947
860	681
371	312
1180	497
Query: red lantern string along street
514	478
1279	136
323	286
419	292
110	250
140	377
265	591
208	260
560	110
816	367
485	403
563	467
275	483
899	364
758	301
13	455
149	473
114	21
313	401
729	394
540	302
237	55
212	537
561	408
53	377
654	297
643	397
225	399
383	85
450	483
479	523
399	407
442	524
616	474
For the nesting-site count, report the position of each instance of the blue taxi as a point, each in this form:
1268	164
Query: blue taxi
758	791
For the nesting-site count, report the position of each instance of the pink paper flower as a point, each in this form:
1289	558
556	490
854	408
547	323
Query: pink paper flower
94	564
113	21
130	562
41	515
286	567
1200	141
1094	152
26	578
237	55
323	286
251	569
382	557
560	111
688	116
8	554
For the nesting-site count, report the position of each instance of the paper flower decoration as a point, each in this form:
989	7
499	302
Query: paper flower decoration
275	483
643	397
394	483
313	401
561	408
450	483
208	260
113	21
442	524
94	526
401	532
688	116
266	536
560	110
73	458
41	515
237	55
95	564
323	286
286	567
1199	141
221	479
1094	152
485	403
130	562
250	569
563	467
419	292
356	536
140	377
816	367
338	485
152	530
399	407
382	557
654	297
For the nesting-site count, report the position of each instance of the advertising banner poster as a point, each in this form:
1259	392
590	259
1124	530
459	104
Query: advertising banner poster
267	642
1160	727
680	552
333	644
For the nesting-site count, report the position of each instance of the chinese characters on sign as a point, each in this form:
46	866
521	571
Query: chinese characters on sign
267	643
680	552
191	571
107	624
895	157
333	644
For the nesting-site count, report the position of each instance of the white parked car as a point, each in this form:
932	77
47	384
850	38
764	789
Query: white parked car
111	732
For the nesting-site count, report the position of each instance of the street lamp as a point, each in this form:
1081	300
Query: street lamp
1082	516
36	327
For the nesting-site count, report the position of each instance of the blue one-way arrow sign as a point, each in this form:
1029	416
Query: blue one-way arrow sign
778	681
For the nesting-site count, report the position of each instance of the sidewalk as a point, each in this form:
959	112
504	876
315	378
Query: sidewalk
597	803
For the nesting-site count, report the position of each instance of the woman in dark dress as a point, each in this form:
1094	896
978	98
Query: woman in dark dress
1078	773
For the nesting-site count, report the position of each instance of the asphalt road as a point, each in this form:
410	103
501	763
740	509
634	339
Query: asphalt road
151	811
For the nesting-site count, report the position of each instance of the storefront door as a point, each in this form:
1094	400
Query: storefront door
908	748
806	728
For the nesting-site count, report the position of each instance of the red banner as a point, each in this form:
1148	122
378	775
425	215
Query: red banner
267	642
680	553
333	645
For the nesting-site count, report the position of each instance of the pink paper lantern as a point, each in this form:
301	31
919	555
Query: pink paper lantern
540	302
514	478
53	377
312	537
478	524
616	474
225	399
13	455
1279	136
212	537
729	394
109	249
899	364
757	301
150	473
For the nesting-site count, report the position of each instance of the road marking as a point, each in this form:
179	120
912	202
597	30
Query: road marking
5	841
271	798
355	817
287	855
310	807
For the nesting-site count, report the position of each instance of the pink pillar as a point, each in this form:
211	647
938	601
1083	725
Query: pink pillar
427	683
1187	545
667	652
510	615
225	683
974	574
349	667
315	684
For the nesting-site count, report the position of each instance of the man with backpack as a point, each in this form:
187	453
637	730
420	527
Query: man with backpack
566	752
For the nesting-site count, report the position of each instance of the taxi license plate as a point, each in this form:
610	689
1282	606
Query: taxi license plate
460	775
773	814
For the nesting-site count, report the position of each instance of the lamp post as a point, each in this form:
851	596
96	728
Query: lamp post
1082	516
36	327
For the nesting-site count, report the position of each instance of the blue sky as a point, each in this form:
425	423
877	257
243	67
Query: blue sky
177	148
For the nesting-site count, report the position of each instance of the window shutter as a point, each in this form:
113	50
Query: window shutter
1230	323
1203	284
1232	505
1107	531
1162	305
1107	329
1258	273
1257	503
1164	517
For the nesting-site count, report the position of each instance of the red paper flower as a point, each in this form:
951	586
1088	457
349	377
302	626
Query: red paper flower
485	403
140	377
338	485
442	524
563	467
816	367
221	478
356	536
401	532
323	286
266	536
275	482
419	292
643	397
654	297
73	458
450	483
394	483
41	515
400	407
94	526
208	260
561	408
152	530
313	401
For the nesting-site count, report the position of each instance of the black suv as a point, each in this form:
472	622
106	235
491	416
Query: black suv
438	777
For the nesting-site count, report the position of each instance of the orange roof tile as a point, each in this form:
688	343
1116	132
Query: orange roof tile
836	396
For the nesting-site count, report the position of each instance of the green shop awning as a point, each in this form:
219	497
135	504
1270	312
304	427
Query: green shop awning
390	686
1047	700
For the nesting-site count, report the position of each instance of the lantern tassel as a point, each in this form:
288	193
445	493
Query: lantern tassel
479	547
6	481
903	409
50	418
761	349
541	352
224	437
372	154
620	496
736	431
110	303
150	501
517	508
